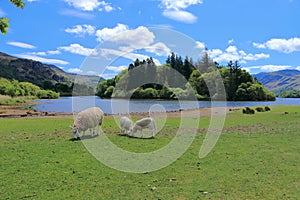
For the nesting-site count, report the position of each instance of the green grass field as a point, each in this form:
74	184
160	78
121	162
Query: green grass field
256	157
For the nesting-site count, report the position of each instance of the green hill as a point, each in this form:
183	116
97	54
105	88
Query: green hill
280	81
43	75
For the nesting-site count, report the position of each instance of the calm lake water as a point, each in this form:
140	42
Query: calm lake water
76	104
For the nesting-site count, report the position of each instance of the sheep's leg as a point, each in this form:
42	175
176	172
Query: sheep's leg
77	134
98	130
142	133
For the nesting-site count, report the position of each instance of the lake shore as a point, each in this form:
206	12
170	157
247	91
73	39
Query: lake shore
24	110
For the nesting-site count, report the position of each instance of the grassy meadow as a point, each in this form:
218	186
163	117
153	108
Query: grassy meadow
256	157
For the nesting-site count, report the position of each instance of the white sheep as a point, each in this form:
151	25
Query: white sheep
87	119
126	125
142	124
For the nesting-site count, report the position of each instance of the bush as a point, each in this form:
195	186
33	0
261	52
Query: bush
248	110
260	109
267	108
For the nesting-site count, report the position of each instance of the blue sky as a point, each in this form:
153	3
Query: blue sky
263	35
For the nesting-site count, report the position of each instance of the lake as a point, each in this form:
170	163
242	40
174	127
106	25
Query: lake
119	106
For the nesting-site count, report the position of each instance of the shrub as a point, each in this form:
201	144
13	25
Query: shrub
260	109
267	108
248	110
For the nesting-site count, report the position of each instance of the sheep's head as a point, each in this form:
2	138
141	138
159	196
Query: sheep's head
74	131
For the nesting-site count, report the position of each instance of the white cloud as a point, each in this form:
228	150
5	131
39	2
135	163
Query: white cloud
180	15
271	68
175	10
116	69
159	49
200	45
78	49
81	30
298	68
44	53
106	33
21	45
43	60
76	13
86	5
232	54
179	4
74	70
138	38
32	0
55	52
90	5
281	45
105	6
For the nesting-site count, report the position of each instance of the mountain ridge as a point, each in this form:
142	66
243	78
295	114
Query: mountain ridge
279	81
46	76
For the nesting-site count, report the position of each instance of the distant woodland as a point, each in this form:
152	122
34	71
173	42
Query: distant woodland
239	85
15	88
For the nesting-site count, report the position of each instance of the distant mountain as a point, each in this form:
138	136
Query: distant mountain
44	75
280	81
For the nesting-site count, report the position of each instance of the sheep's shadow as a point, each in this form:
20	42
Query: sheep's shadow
84	137
140	138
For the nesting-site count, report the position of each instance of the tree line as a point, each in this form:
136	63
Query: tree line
200	81
15	88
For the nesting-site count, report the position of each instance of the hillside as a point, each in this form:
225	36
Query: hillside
280	81
44	75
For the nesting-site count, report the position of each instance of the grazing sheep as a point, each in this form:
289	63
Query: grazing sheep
87	119
142	124
126	125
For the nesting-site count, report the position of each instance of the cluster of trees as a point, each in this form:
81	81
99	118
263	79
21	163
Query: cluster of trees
290	94
15	88
184	79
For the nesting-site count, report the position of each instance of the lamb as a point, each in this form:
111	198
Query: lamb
142	124
126	125
87	119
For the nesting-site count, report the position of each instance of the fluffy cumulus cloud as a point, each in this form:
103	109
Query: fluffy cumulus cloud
90	5
128	41
179	4
298	68
232	53
43	60
138	38
81	30
107	33
78	49
281	45
104	6
21	45
175	10
200	45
